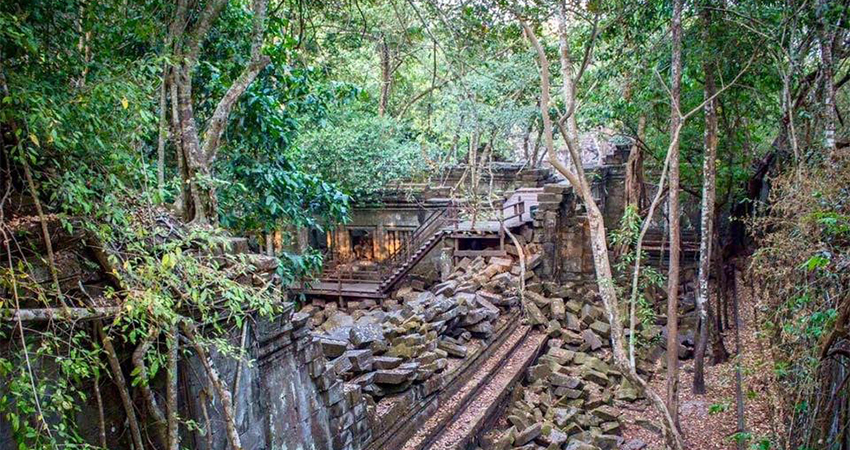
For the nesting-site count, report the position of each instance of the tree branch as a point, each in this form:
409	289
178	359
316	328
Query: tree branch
215	380
123	392
144	385
199	33
218	121
51	314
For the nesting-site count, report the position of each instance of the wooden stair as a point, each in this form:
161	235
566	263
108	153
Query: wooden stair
400	271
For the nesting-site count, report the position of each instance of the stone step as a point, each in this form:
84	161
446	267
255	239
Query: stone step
461	417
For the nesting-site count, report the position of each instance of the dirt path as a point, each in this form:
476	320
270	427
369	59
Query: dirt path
709	421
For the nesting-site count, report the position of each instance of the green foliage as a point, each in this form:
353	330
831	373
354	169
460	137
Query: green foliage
28	404
741	437
92	117
262	195
362	153
626	237
717	408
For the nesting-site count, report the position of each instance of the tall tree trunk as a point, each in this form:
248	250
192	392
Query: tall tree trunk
634	170
124	393
718	348
163	131
386	76
739	382
707	215
173	343
827	36
673	205
200	154
569	89
181	203
195	164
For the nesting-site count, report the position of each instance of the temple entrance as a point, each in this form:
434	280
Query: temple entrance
362	243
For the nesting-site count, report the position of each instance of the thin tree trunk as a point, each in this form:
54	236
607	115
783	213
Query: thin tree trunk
163	131
639	255
386	76
160	424
101	420
48	244
634	170
181	205
171	388
215	380
123	392
203	399
718	348
708	201
739	382
536	156
599	246
827	36
673	205
569	89
525	140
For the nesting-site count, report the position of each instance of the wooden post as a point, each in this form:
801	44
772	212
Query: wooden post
502	230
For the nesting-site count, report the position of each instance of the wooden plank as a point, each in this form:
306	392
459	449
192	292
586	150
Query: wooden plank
485	253
474	236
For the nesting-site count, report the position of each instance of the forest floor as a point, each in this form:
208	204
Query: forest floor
710	421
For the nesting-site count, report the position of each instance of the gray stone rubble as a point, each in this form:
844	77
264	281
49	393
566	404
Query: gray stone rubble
408	341
566	400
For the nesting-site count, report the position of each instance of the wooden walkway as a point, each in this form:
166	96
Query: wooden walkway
347	288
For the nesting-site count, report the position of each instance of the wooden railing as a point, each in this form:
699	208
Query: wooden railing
436	221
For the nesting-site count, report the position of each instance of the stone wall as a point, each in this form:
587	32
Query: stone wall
560	224
287	398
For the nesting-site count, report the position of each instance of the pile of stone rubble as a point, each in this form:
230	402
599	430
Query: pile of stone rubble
408	340
566	400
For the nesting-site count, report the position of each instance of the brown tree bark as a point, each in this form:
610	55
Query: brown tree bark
707	214
673	207
200	152
48	244
634	170
153	408
123	392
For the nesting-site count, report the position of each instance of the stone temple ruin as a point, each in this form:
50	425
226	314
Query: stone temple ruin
415	335
433	326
